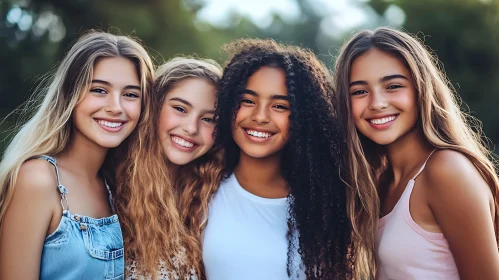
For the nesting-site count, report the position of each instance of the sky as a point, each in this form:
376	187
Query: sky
260	11
339	15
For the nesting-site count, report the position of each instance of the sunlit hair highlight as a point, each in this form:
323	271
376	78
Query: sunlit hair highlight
146	194
49	131
443	123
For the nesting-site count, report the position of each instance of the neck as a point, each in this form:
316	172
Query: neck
408	153
173	169
261	176
84	157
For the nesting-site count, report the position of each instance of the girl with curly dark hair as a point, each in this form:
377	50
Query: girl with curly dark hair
281	211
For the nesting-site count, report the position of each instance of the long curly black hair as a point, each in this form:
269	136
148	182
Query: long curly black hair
310	161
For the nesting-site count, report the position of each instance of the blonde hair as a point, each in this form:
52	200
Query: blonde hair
153	229
49	131
442	122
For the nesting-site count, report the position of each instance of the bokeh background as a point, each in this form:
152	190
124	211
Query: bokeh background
464	34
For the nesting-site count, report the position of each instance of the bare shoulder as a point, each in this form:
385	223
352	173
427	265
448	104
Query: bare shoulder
449	160
452	173
37	176
28	219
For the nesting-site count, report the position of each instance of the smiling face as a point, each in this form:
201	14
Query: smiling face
186	121
109	112
383	97
262	123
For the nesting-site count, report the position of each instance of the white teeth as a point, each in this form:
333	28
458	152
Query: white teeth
382	120
110	124
258	133
182	142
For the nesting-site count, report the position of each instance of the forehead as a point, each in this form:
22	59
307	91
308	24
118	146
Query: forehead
117	70
375	64
268	81
197	91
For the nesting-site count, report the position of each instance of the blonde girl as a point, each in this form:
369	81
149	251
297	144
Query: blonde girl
57	220
173	147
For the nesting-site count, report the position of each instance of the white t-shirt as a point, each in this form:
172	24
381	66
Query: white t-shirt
245	237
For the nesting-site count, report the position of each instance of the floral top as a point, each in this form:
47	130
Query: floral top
132	273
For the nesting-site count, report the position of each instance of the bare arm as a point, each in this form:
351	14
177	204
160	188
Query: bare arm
27	221
461	202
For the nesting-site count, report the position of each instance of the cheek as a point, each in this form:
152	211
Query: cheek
133	110
167	120
358	107
242	114
282	122
85	108
404	102
207	135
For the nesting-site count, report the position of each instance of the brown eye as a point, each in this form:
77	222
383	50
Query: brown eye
98	90
394	86
131	94
282	107
359	92
247	101
180	109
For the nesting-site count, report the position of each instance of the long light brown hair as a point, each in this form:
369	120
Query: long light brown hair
50	130
146	195
443	124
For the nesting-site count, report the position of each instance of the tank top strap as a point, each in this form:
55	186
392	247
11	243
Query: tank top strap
424	164
62	190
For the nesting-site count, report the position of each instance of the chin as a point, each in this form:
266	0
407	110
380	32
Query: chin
178	159
109	144
383	141
258	153
179	162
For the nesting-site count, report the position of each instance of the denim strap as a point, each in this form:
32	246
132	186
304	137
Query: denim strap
62	189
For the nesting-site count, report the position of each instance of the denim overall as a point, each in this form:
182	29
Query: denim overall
82	247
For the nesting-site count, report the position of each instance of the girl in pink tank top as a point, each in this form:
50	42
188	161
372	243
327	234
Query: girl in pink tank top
412	146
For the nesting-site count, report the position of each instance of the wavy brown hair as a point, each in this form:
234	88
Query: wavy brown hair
443	124
153	230
198	181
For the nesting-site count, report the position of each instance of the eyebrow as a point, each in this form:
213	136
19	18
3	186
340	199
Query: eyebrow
382	80
109	84
189	104
272	97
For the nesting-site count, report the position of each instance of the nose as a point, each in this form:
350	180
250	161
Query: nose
113	105
190	126
260	114
378	101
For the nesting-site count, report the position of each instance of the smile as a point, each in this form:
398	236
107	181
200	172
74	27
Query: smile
383	120
110	124
258	134
182	142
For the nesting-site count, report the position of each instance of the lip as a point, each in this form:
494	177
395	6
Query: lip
110	129
382	126
182	148
257	139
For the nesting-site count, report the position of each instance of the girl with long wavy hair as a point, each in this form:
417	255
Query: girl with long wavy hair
281	210
175	142
56	212
436	180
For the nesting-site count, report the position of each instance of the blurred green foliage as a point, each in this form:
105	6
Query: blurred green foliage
34	36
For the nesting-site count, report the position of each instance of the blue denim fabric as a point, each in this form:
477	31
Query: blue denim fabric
82	247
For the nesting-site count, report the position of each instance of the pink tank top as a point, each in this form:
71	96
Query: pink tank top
407	251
